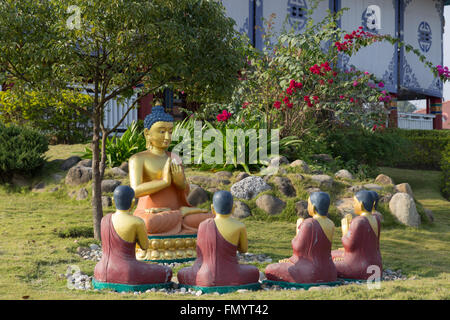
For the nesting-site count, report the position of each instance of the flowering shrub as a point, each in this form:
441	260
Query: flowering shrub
224	116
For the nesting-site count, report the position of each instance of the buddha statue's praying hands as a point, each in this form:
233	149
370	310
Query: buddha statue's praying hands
158	179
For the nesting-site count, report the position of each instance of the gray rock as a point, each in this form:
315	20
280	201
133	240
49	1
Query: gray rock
106	201
345	206
119	173
57	177
241	175
429	215
94	246
85	163
344	174
270	204
323	180
404	187
278	161
78	175
403	207
224	181
241	210
373	186
322	157
124	166
70	162
249	187
82	194
204	181
110	185
223	174
285	186
39	187
312	189
355	189
301	207
383	179
197	196
302	164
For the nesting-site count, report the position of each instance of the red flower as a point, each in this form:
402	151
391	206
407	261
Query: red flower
310	104
374	127
330	81
316	98
341	96
352	100
277	104
321	82
290	105
298	85
289	91
306	98
245	104
224	116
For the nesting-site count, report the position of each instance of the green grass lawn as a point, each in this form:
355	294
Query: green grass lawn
33	255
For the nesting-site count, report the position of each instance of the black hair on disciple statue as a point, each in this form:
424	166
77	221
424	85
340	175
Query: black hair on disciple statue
123	197
367	199
223	202
321	201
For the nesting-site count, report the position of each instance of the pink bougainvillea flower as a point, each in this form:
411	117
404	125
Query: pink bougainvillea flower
289	91
352	100
330	81
298	85
381	85
355	83
341	96
306	98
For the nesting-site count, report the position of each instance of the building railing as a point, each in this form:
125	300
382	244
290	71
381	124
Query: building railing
415	121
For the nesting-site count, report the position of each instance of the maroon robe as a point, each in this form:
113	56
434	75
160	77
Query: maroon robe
311	260
119	264
216	264
361	250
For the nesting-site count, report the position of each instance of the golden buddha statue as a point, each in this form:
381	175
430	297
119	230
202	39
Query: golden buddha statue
158	180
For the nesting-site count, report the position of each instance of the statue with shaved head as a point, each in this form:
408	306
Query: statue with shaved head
311	260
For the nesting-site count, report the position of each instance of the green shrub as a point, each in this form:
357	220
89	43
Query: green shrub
425	148
21	151
445	167
77	232
52	114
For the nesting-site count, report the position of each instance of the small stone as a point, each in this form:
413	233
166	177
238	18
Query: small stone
355	189
110	185
94	246
182	290
241	175
223	174
39	187
106	201
82	194
278	161
373	186
270	204
285	186
301	207
344	174
198	196
117	172
241	210
78	175
302	164
345	206
323	180
198	293
383	179
70	162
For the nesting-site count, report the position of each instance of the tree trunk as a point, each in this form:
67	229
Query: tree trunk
97	210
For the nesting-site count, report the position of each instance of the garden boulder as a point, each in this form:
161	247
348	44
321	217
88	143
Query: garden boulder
404	187
241	210
345	206
323	180
301	207
383	179
197	196
110	185
270	204
373	186
70	162
344	174
285	186
402	206
302	165
78	175
249	188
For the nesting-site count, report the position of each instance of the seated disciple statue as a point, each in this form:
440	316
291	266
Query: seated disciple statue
118	269
158	180
361	240
311	260
217	242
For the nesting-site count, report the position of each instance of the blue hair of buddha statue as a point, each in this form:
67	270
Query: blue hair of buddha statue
375	198
366	198
320	201
123	197
157	114
223	202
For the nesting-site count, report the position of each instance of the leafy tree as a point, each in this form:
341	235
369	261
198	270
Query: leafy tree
111	47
